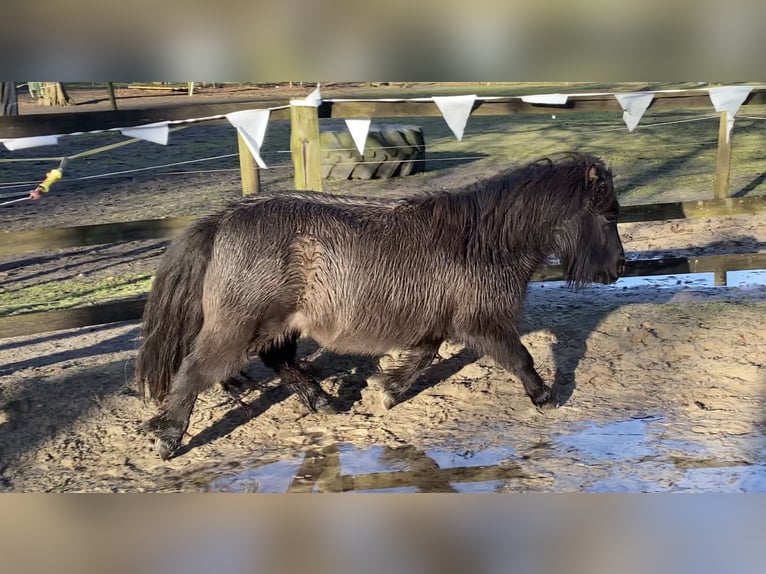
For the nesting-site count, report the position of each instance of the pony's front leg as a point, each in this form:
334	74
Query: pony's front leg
511	354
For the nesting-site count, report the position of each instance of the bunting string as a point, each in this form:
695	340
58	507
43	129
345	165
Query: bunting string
456	111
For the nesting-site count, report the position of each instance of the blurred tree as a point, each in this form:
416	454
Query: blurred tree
52	94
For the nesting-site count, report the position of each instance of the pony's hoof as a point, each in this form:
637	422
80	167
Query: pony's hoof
168	435
323	405
165	448
547	399
389	401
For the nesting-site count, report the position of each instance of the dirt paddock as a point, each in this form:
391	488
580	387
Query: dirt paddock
666	382
667	392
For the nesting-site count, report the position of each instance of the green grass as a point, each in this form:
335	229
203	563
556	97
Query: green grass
70	293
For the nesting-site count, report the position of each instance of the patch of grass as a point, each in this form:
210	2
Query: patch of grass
66	294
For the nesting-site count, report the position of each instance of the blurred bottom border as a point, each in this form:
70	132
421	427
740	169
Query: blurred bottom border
382	533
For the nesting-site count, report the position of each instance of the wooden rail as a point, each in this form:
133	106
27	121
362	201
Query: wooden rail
28	125
34	240
20	242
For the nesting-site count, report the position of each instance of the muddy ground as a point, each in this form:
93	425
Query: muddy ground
666	382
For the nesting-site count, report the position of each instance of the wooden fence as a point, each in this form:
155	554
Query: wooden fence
304	143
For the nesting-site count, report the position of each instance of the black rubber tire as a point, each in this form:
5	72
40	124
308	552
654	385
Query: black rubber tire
390	151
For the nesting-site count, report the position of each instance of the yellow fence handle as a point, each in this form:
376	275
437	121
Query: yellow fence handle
50	178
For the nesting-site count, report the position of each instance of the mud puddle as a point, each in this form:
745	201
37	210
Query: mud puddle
629	455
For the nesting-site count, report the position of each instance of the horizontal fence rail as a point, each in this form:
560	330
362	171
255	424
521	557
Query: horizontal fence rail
35	240
30	241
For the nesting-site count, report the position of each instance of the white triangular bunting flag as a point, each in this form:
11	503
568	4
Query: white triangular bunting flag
312	100
728	99
633	105
549	99
251	125
455	110
156	132
32	141
359	129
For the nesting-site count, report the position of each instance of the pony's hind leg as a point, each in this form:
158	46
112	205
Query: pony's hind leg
397	380
513	356
215	356
280	356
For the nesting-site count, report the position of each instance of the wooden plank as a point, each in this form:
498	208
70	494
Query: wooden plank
157	87
112	98
506	106
28	125
723	159
304	146
693	209
248	168
98	314
19	242
673	266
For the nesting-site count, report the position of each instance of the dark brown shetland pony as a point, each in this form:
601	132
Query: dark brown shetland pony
366	276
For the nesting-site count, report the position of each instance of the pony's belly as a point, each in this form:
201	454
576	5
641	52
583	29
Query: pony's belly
333	337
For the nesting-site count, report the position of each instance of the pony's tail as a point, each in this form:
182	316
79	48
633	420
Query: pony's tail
173	313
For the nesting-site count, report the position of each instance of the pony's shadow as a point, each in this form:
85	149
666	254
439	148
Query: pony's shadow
346	386
237	416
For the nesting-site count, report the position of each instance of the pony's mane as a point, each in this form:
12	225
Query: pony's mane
551	187
564	178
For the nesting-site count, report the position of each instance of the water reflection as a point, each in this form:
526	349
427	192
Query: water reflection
630	455
344	468
598	441
634	456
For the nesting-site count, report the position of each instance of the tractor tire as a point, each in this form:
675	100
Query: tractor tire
390	151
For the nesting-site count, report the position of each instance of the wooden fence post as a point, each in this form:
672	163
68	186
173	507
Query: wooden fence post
9	102
723	161
304	145
112	97
248	169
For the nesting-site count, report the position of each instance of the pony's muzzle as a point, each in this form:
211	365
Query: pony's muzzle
609	277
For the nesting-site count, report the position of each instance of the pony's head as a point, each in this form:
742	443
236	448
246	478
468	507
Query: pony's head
590	248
